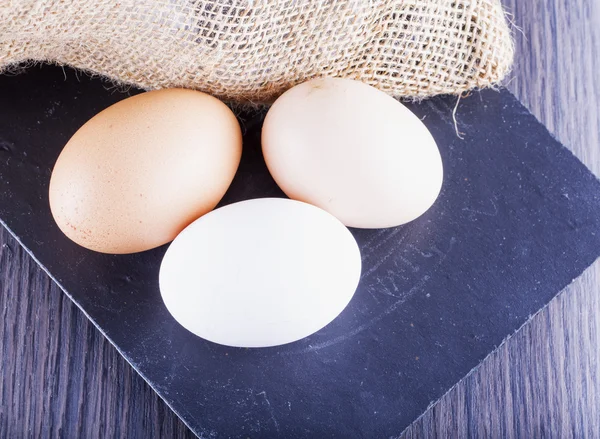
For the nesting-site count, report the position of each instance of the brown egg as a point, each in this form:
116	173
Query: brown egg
139	172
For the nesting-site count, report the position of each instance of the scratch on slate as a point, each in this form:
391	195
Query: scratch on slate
401	299
442	115
474	212
370	250
370	323
271	412
421	252
393	250
376	236
410	265
78	263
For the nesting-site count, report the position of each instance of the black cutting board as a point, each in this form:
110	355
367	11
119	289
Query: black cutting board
517	220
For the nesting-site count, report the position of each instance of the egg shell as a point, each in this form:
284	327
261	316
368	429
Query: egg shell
352	150
139	172
260	273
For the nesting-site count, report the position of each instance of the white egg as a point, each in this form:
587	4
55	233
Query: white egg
352	150
259	273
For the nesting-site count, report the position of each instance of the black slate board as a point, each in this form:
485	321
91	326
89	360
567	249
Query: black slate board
518	218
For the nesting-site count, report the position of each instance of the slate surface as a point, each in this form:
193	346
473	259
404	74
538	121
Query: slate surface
518	218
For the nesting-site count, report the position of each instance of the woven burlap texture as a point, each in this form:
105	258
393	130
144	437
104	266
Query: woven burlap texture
253	50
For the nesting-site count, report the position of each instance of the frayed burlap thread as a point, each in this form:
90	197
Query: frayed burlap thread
253	50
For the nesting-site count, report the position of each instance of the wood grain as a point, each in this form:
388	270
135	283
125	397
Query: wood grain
60	378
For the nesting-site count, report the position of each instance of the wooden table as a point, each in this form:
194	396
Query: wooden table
60	378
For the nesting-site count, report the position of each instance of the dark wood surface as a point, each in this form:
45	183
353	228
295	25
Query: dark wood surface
60	378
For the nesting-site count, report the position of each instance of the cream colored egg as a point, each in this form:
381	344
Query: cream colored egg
139	172
353	151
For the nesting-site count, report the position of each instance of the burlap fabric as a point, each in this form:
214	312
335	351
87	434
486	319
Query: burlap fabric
253	50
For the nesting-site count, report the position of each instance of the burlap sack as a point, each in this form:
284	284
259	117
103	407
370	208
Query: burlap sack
253	50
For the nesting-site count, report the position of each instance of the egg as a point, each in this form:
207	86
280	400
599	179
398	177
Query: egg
140	171
353	151
260	273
